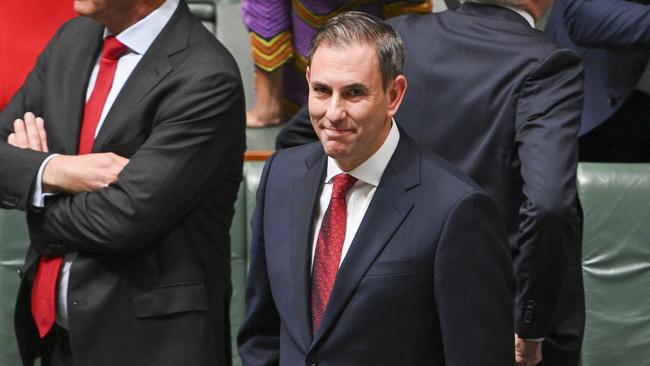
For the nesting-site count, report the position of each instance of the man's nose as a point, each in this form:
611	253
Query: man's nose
336	109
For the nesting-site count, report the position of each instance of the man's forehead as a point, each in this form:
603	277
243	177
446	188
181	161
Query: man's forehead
357	62
369	48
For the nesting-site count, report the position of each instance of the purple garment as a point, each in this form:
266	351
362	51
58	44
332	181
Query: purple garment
269	18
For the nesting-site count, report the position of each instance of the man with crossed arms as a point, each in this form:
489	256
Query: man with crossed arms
130	195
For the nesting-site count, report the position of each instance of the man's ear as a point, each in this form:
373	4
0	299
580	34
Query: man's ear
307	74
395	92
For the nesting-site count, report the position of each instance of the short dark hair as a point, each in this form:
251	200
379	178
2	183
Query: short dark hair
357	27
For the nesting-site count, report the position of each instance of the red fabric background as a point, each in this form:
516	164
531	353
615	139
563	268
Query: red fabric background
25	28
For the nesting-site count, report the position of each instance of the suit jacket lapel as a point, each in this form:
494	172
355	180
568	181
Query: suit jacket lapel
306	192
151	69
388	209
70	124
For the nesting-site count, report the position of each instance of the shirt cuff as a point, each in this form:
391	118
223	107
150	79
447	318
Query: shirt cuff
534	339
38	198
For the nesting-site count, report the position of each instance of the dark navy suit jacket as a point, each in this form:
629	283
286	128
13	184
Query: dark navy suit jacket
613	38
427	279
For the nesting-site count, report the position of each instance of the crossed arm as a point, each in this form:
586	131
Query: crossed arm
66	173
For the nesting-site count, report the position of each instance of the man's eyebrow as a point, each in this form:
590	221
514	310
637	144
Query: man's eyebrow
356	86
318	84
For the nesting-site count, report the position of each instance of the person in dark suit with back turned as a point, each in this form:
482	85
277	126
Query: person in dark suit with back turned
494	96
613	38
129	195
365	249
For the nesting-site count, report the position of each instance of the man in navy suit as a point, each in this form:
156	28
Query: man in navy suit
367	250
613	37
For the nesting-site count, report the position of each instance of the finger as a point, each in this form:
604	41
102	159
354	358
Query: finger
21	136
121	161
40	124
11	139
33	138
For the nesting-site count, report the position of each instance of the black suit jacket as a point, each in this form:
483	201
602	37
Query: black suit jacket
151	284
499	100
427	279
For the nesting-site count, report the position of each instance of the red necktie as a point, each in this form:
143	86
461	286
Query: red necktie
327	256
44	287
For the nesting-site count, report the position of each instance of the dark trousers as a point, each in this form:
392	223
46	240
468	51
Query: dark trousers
57	348
624	137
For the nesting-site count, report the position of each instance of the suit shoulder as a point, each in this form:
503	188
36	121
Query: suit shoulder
411	19
78	26
415	25
438	171
201	53
294	157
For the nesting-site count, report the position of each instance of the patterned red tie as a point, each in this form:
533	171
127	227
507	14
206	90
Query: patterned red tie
44	287
327	256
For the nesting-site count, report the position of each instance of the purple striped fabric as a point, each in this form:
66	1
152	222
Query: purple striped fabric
268	18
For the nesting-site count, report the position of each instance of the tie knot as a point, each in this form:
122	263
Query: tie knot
113	49
342	184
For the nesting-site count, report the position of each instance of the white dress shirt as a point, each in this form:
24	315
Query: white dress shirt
526	15
358	198
138	38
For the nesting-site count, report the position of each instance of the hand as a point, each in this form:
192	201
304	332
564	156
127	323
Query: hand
82	173
527	352
29	133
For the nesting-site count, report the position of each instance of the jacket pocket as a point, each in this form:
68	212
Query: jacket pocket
169	300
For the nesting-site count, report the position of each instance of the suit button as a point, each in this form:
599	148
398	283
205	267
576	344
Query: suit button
312	360
528	317
612	101
20	273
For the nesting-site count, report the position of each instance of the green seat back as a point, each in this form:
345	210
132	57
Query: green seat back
13	246
616	263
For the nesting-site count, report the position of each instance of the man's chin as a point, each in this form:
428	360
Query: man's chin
334	149
84	8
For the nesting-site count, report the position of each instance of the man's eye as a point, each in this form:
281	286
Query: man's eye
356	92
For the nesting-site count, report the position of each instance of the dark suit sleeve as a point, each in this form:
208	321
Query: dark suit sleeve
473	285
547	121
259	336
298	131
20	166
615	24
196	147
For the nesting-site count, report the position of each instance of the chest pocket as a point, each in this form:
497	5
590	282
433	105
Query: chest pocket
169	300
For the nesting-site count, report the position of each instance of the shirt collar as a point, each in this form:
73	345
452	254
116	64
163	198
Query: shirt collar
371	170
526	15
141	35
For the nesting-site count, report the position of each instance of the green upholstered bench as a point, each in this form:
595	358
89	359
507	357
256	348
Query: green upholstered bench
13	245
616	263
